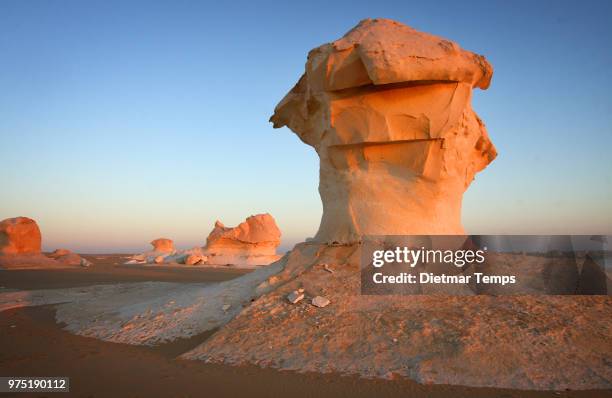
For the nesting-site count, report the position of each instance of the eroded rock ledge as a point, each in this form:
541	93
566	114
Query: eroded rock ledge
388	110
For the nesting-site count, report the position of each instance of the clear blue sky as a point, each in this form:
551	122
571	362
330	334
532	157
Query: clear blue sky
125	121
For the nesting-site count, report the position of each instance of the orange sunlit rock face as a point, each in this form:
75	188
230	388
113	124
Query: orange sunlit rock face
253	241
20	248
388	110
163	245
19	235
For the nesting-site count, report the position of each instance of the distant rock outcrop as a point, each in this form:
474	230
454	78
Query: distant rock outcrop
252	242
163	245
19	235
68	257
20	247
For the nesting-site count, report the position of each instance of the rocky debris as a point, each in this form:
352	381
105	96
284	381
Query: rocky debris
159	260
320	301
252	242
85	263
522	342
194	259
388	110
19	235
226	307
163	245
295	296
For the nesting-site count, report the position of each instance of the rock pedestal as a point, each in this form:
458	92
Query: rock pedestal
388	110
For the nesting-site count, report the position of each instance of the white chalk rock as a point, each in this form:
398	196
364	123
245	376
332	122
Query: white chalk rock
320	301
295	297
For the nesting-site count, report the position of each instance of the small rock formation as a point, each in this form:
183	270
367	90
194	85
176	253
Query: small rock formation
19	235
163	252
67	257
194	259
59	253
388	110
253	242
163	245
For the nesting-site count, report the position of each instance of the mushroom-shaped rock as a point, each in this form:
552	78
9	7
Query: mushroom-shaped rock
163	245
252	242
388	110
19	235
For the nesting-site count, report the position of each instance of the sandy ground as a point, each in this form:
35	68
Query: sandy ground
31	343
108	269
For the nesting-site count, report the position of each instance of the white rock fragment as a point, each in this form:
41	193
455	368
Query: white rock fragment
326	268
295	296
226	307
320	301
85	263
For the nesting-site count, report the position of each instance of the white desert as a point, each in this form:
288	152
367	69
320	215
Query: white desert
388	110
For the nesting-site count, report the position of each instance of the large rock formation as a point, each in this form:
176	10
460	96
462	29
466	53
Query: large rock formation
388	110
252	242
19	235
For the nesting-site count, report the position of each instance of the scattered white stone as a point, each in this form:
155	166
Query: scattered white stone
85	263
295	296
135	262
320	301
326	268
226	307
